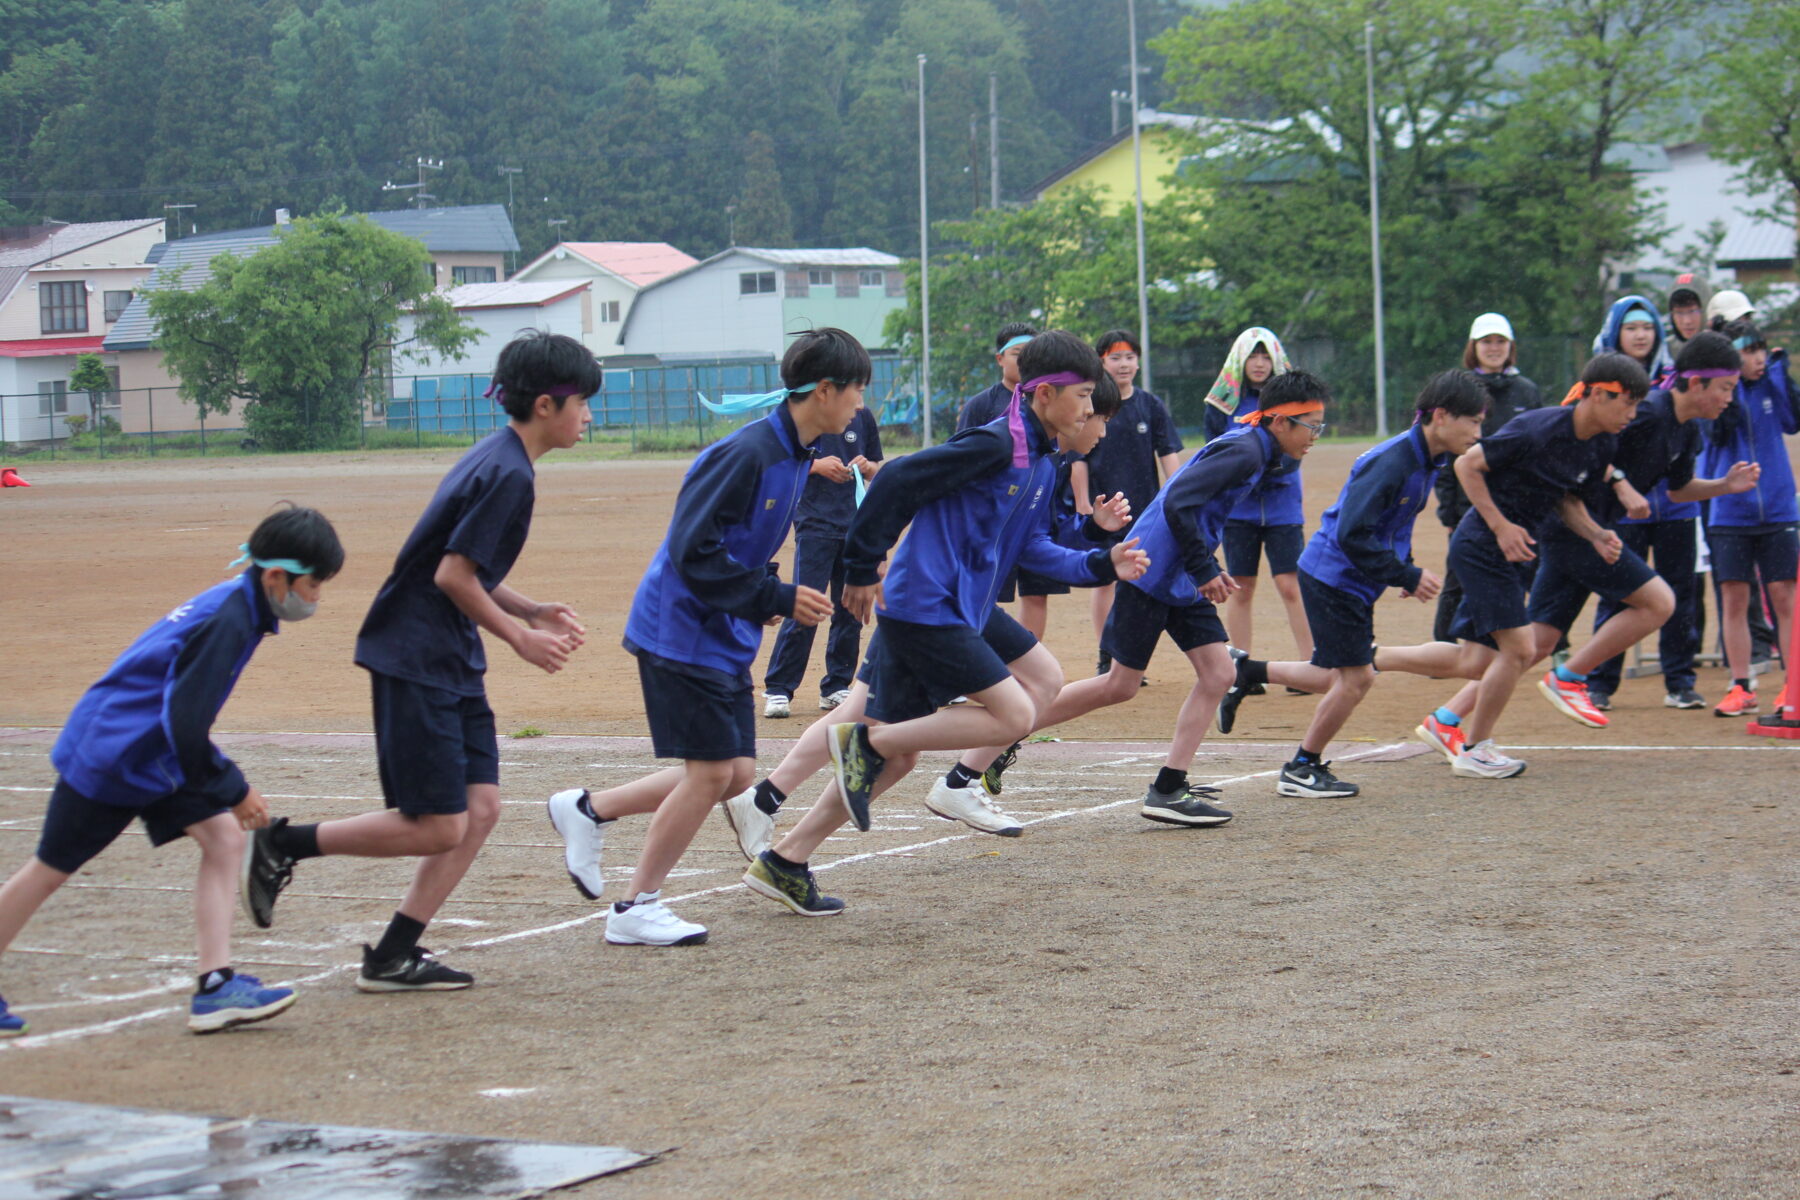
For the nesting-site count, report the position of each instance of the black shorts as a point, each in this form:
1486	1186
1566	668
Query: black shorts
1246	542
914	670
1494	590
1342	624
1138	620
1740	554
77	829
697	712
1029	583
1569	572
431	744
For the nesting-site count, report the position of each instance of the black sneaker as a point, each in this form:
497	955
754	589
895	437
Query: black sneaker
990	778
1313	781
416	971
792	886
1234	695
265	872
857	767
1685	698
1603	700
1184	806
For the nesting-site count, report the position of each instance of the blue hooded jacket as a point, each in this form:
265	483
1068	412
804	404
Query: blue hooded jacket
975	515
1751	430
1661	370
1364	542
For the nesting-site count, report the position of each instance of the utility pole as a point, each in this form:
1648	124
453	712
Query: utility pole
420	195
1137	168
924	278
177	214
993	141
509	172
1381	427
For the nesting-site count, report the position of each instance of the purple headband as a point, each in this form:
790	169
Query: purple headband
562	389
1015	417
1709	373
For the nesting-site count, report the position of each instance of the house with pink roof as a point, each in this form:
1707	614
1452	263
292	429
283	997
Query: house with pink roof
617	272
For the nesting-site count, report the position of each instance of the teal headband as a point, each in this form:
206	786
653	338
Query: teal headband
281	564
1638	313
732	405
1018	341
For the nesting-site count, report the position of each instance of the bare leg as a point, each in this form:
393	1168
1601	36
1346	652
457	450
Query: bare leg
216	887
639	796
392	834
23	894
1646	610
1734	624
1235	612
813	751
1518	648
1436	660
1041	676
1302	675
1213	674
1288	587
1034	613
438	874
828	814
679	817
1002	713
1347	691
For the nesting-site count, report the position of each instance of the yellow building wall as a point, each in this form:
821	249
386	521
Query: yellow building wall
1111	170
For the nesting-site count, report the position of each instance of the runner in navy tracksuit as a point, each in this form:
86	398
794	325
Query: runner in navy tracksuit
1363	546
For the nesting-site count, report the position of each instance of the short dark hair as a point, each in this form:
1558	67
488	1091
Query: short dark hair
829	353
1684	297
537	363
1113	337
1107	400
1470	362
1706	351
1744	335
1293	387
1622	369
1459	393
1056	351
302	534
1011	330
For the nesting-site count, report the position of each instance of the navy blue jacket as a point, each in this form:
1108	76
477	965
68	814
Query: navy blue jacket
1657	452
1534	460
1364	541
1751	431
974	517
1280	498
711	585
1126	459
984	406
1181	528
142	732
826	506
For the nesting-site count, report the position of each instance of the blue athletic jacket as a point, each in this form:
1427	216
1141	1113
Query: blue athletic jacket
1364	541
974	516
1751	431
1661	367
141	732
710	586
1279	499
1181	528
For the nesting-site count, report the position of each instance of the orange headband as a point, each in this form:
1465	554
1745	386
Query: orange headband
1580	391
1118	346
1296	408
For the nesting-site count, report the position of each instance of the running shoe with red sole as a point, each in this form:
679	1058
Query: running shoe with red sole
1570	698
1738	702
1445	739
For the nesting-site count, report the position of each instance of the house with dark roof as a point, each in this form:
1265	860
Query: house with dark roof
468	245
62	288
616	271
748	303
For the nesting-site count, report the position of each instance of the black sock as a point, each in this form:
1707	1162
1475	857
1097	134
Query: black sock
1253	670
295	841
587	810
1746	684
769	798
212	981
1307	757
1170	780
961	777
786	863
403	933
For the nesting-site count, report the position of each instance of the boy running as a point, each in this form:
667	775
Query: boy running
137	745
434	732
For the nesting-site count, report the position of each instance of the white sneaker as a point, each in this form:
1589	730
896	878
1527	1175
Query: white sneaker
582	838
754	828
972	806
827	703
776	707
647	921
1484	761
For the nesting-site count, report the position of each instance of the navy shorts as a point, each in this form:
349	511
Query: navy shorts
1740	554
76	829
1494	590
1342	624
431	744
1246	542
914	670
1138	620
1569	571
1029	583
697	712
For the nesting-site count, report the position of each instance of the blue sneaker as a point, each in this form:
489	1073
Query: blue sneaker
238	1001
10	1026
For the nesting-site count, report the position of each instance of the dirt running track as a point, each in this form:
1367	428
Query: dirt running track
1580	982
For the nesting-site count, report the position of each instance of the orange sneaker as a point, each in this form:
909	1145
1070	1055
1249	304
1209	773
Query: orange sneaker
1571	700
1445	739
1738	702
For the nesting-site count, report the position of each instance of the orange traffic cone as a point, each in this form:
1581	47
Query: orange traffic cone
1785	721
10	478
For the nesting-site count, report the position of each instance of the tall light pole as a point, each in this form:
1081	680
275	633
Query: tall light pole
993	141
1381	427
924	277
1137	169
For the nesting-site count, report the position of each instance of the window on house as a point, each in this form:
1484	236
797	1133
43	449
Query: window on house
871	279
756	283
846	285
818	277
431	271
609	311
111	398
115	304
461	275
62	307
53	398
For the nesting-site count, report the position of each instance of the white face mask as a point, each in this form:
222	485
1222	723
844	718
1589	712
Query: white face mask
293	607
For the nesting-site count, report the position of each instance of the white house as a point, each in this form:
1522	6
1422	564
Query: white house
62	287
617	271
1691	191
748	303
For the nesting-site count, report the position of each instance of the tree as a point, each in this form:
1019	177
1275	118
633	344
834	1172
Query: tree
90	376
298	328
763	215
1755	112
